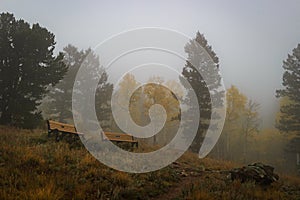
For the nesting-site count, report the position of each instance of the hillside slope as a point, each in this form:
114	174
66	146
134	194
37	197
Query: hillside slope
33	166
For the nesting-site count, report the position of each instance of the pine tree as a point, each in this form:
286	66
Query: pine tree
103	101
27	68
195	61
289	120
59	100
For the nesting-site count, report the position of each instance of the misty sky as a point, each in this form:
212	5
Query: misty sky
251	38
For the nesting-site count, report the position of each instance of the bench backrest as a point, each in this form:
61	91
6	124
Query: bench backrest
67	128
118	137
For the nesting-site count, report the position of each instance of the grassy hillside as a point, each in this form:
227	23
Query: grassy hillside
32	166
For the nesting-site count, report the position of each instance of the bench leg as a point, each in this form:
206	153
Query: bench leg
57	138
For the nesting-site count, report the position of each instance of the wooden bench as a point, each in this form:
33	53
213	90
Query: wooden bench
119	137
60	129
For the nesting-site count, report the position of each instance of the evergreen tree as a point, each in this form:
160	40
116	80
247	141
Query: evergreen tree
197	61
289	120
103	101
27	68
59	100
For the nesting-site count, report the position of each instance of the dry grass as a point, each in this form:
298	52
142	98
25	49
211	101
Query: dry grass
216	189
32	166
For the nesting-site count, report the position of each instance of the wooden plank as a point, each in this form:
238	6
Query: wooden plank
67	128
119	137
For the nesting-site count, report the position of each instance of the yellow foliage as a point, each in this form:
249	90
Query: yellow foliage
236	103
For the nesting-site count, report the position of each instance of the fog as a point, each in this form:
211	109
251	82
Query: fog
251	38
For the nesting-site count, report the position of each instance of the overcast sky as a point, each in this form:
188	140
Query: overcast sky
251	38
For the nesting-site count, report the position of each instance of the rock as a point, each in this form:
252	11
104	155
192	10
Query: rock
258	172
